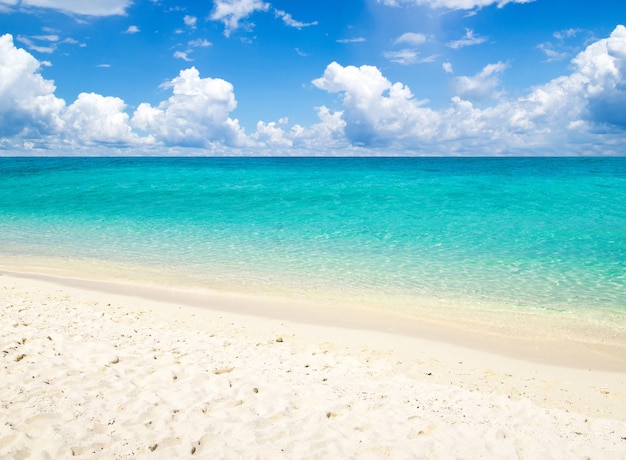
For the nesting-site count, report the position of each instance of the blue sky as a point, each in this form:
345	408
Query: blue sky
350	77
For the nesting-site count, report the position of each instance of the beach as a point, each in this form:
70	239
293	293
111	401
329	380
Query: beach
356	230
91	372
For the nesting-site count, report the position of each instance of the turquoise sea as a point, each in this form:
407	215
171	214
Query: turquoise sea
540	234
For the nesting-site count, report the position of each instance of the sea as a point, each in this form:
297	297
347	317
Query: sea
533	235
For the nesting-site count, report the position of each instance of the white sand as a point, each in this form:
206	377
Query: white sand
101	375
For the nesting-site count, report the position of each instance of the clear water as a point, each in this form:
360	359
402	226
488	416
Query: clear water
534	233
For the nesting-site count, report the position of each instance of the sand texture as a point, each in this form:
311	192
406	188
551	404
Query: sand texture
90	375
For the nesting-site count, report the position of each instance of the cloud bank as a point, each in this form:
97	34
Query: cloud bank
578	113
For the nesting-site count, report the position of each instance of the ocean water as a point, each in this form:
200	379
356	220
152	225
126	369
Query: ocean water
541	234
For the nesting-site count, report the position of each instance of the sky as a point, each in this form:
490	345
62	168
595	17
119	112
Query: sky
323	77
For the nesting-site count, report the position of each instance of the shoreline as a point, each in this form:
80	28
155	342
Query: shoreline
536	339
90	372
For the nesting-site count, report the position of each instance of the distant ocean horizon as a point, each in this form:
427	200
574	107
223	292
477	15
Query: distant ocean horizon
529	234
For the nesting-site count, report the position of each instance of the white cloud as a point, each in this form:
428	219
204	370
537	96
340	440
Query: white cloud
551	53
559	50
602	69
93	118
447	67
352	40
568	33
47	38
323	137
405	56
468	40
82	7
291	22
375	110
271	134
453	4
482	85
182	55
28	106
330	131
195	115
579	112
410	38
230	12
200	43
49	47
132	30
410	55
190	21
45	43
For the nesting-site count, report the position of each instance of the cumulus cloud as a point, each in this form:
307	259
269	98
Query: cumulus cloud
330	131
584	107
82	7
375	110
453	4
323	137
581	112
271	134
132	30
93	118
195	115
28	106
602	69
589	100
482	85
230	12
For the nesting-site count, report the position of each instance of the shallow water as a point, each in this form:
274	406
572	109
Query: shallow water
535	234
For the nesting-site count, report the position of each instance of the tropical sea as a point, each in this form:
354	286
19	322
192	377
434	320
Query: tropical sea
537	235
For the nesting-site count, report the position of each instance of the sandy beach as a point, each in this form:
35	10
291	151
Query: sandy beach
93	373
